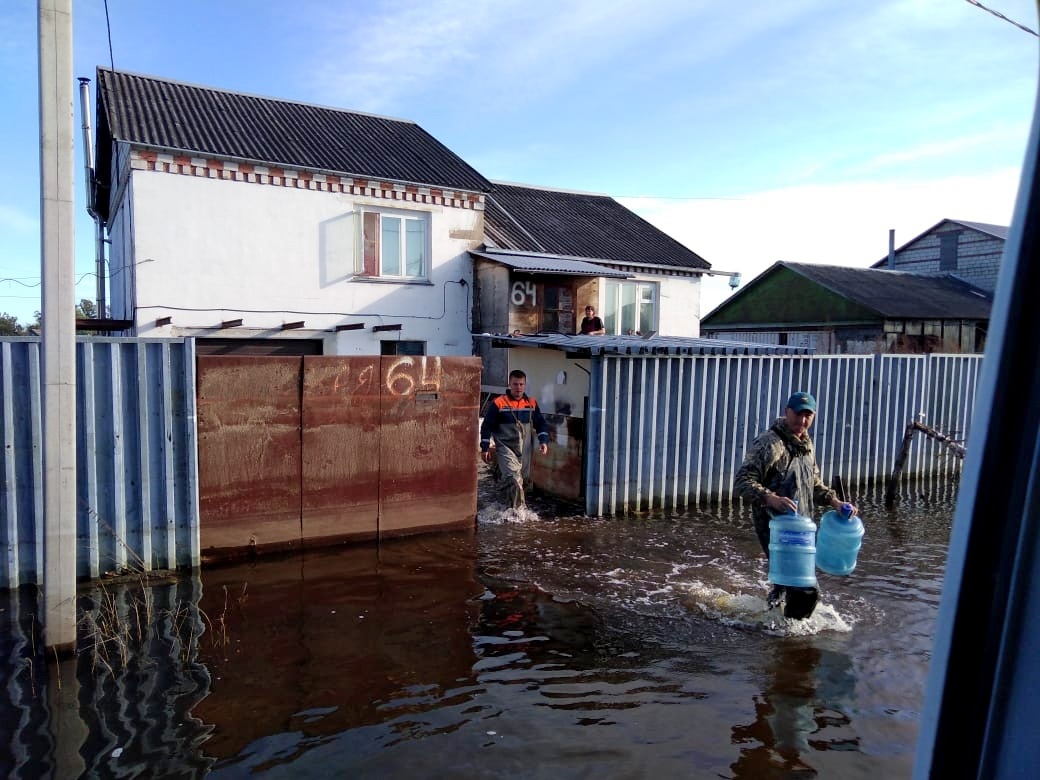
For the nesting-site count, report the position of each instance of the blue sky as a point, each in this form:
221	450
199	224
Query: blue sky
801	130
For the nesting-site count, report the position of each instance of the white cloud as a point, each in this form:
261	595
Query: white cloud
841	224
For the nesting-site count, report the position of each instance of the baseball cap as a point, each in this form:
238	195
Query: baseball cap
802	402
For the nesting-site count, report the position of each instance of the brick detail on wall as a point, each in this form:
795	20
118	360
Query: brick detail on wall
148	160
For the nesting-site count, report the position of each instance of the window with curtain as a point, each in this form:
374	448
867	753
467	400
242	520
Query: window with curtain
394	245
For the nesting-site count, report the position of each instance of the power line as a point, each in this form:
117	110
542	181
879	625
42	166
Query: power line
999	15
108	26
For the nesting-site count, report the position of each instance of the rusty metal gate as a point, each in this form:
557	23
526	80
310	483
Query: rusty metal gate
307	451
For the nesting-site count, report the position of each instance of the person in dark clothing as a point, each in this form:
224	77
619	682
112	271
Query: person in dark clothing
779	475
591	325
512	420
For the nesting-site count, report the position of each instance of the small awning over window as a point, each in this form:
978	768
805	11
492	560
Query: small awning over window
550	264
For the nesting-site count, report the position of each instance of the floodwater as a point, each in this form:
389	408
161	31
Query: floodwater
546	645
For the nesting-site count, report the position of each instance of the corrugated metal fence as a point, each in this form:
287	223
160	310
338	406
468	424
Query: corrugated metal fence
664	432
137	487
667	432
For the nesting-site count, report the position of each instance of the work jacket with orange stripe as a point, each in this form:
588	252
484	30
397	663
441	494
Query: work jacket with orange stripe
510	421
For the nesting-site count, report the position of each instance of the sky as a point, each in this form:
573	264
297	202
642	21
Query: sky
752	132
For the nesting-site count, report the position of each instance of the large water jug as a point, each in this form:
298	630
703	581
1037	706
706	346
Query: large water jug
792	551
839	540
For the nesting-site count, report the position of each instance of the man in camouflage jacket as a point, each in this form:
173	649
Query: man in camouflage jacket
779	473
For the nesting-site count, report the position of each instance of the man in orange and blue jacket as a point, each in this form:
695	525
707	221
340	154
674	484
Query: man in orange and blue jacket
511	420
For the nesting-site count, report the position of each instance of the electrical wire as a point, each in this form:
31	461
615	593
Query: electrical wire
999	15
108	27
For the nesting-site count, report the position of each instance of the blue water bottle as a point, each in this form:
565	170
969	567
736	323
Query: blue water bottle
792	551
839	540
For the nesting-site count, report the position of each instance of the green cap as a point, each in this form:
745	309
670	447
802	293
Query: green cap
802	402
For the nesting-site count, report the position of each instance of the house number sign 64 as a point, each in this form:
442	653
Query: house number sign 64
522	292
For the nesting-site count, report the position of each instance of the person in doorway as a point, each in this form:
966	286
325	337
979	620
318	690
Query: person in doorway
779	475
508	431
591	325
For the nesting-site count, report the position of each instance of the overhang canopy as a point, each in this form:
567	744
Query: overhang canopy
586	346
550	264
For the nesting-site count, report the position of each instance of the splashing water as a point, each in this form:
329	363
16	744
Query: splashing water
742	610
499	514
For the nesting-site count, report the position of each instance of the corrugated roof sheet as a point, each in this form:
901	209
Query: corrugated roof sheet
200	121
636	345
575	224
550	264
901	294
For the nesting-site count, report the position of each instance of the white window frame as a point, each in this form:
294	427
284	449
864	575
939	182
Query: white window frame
644	300
371	261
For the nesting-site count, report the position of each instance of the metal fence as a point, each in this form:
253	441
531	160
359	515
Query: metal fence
137	482
663	432
667	432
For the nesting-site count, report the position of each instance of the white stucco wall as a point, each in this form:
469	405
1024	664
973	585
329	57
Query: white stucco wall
543	367
679	305
210	250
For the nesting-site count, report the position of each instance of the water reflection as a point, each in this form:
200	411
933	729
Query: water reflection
555	646
802	708
324	643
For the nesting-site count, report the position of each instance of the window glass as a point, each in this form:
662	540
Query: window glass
646	309
610	311
415	247
628	308
391	248
403	347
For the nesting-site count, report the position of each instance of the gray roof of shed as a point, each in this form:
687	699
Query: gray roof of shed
586	346
900	294
576	224
170	115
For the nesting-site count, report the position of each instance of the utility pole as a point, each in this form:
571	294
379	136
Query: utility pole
57	218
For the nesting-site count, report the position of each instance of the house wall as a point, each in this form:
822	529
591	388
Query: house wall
507	302
978	256
679	305
206	248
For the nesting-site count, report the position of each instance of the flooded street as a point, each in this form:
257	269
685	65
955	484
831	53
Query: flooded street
552	646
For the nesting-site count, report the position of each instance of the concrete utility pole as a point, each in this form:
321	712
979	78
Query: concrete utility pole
57	262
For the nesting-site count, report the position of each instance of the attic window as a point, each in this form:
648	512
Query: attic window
394	245
948	250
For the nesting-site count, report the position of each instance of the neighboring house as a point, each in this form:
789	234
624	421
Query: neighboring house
269	226
549	253
969	250
833	309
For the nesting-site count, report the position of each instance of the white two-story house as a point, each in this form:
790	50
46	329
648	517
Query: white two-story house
267	226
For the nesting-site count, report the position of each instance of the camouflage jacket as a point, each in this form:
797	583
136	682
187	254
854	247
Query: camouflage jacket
778	462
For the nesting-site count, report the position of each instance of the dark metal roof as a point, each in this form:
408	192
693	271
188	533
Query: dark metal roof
900	294
586	346
170	115
575	224
551	264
